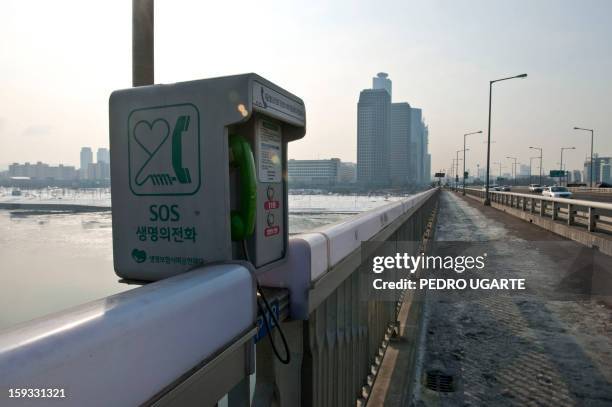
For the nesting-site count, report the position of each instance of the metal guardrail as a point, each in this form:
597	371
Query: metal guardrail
138	346
340	342
594	216
591	190
164	343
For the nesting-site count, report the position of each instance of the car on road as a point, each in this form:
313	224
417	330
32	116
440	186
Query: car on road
557	192
535	188
505	188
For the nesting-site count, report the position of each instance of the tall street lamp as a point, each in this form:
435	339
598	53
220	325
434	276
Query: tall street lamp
524	75
513	168
464	137
592	164
457	168
539	148
531	158
561	162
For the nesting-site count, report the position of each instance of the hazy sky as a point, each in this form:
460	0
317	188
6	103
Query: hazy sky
60	60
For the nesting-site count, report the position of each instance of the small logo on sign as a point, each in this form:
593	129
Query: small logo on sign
139	256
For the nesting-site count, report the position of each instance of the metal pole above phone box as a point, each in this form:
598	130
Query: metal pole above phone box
142	43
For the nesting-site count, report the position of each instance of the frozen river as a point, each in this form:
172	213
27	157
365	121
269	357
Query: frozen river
51	261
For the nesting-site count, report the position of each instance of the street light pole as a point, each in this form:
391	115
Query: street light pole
524	75
513	168
530	166
457	169
464	137
539	148
592	163
561	162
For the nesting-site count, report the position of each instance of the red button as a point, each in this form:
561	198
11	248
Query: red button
271	205
274	230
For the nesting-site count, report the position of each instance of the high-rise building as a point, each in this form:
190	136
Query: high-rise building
576	176
373	137
86	159
382	81
598	163
605	174
400	144
392	139
426	172
417	138
348	173
103	155
98	171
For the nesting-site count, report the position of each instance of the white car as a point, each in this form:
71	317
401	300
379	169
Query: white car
556	192
535	188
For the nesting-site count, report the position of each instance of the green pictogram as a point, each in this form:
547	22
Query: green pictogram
164	150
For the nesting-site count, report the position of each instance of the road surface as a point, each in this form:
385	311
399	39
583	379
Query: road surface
550	345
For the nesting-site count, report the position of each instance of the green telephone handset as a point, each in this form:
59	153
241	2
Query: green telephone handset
241	156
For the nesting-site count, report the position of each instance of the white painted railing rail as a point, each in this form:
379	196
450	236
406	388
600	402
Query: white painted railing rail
124	350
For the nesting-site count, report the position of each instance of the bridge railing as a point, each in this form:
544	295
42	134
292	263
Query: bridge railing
593	216
188	340
338	337
591	190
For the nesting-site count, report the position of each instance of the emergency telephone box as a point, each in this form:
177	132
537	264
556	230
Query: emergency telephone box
199	174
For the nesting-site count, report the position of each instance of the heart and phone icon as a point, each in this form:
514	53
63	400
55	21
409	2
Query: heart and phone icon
152	137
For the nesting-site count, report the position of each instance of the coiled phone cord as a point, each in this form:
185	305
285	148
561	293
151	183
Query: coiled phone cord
286	360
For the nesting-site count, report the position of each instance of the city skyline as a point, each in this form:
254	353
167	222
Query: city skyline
88	169
564	49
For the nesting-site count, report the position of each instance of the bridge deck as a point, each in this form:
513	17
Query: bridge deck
521	349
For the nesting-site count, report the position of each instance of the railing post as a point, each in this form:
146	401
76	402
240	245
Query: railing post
570	215
524	207
289	377
264	382
592	220
532	205
278	384
240	395
542	207
555	209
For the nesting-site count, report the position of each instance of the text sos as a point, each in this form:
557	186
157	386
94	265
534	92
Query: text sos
164	213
